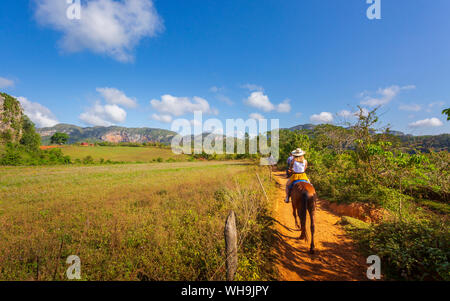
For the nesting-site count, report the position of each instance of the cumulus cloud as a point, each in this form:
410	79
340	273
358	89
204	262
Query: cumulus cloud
108	27
410	107
284	107
428	122
39	114
260	101
324	117
110	113
104	115
385	95
6	83
162	118
114	96
178	106
256	116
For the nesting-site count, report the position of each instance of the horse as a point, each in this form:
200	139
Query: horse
304	197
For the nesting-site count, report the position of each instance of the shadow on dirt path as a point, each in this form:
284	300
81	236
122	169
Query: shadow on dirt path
336	257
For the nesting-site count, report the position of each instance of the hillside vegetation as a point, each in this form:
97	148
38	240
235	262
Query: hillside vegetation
368	165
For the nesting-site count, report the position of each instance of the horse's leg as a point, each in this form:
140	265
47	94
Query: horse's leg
302	213
294	212
311	210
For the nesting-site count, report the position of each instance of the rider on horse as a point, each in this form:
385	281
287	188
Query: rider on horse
296	171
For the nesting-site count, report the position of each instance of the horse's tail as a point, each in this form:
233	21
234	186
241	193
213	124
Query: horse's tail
302	215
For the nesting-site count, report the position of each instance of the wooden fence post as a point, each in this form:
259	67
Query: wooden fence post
231	246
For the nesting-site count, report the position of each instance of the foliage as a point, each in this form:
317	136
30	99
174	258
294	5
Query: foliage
366	163
59	138
30	139
447	112
413	250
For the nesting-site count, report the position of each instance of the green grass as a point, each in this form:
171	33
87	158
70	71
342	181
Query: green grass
436	206
122	153
130	222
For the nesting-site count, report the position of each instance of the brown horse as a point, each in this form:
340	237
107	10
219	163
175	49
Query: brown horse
304	199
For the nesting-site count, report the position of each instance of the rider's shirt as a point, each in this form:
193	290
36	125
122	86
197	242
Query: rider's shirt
299	167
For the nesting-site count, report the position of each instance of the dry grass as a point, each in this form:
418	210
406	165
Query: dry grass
121	153
128	222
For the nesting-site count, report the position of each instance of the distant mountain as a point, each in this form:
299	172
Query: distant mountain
303	127
110	134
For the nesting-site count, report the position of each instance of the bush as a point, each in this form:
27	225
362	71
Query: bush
414	250
88	160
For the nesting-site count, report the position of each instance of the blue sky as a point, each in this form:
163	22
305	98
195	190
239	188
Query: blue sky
143	63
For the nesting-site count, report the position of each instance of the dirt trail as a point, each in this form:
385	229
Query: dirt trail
335	258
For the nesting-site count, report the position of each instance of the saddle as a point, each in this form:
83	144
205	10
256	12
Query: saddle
295	182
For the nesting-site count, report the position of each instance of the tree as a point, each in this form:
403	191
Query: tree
30	138
59	138
447	112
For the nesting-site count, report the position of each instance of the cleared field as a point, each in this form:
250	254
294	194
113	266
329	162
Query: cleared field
130	222
121	153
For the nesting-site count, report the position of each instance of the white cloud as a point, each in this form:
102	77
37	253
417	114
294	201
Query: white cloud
104	115
6	83
256	116
162	118
410	107
260	101
178	106
252	87
324	117
108	27
298	114
386	95
345	114
39	114
429	122
114	96
284	107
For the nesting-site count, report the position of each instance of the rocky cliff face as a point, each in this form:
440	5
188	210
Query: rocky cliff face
11	116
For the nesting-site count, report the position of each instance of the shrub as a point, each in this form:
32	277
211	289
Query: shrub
413	250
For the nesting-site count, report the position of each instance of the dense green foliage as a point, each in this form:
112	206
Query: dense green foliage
59	138
361	163
447	112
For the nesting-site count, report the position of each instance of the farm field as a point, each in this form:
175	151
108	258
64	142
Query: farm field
131	222
121	153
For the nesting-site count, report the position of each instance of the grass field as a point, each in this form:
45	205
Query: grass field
131	222
121	153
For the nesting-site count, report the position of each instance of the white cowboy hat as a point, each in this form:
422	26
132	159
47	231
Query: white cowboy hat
298	152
